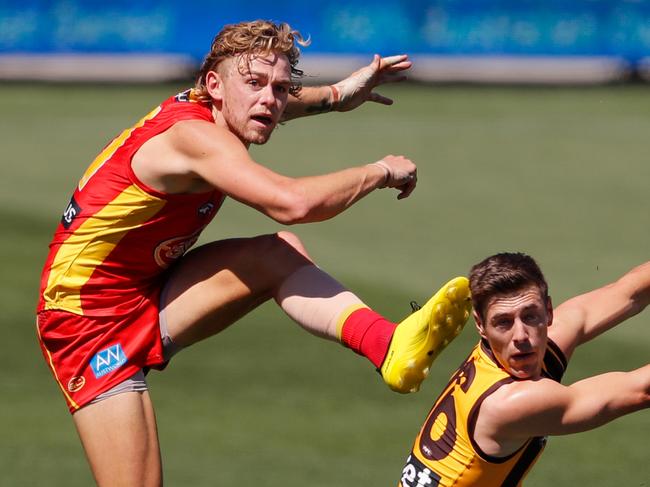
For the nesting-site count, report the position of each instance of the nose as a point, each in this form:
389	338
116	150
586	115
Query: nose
267	97
520	331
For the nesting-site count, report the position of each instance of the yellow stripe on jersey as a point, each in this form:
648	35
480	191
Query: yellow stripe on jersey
50	363
110	149
89	245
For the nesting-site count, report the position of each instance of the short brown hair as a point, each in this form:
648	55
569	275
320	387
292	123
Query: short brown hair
501	274
249	39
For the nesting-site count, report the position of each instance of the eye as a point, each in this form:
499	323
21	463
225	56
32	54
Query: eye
254	83
533	318
282	88
502	323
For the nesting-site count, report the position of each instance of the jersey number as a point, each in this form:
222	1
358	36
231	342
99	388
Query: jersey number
443	444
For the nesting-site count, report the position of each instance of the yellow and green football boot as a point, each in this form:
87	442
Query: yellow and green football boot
421	336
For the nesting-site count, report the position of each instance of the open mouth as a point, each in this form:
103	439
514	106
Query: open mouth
265	120
523	355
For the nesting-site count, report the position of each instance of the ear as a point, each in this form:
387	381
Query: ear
214	85
480	326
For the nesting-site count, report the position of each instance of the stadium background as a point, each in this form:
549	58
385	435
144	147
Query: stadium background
556	168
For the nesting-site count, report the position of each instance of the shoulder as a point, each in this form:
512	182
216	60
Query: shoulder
201	138
510	416
521	401
176	159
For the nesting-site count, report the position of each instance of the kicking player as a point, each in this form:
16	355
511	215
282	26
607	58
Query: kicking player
489	425
119	294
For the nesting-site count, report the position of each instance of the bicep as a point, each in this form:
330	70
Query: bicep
584	317
220	159
545	407
530	409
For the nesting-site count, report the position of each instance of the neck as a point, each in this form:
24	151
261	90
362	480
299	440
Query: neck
220	121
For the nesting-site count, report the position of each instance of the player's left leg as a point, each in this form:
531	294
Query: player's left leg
403	352
216	284
120	439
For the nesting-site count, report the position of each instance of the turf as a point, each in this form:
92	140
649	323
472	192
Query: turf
559	173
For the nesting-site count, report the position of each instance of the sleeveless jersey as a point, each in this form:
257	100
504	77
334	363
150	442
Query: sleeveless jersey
445	453
117	236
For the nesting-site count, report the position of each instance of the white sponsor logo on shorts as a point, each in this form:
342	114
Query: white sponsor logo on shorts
108	360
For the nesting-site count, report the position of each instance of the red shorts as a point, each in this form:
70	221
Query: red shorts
89	355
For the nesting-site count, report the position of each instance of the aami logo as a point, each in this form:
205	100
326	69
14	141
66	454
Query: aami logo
108	360
72	210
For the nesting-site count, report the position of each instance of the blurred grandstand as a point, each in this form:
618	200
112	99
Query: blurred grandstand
510	41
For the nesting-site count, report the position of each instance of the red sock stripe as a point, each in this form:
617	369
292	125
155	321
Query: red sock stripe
368	334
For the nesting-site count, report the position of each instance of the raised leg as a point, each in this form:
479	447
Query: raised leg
218	283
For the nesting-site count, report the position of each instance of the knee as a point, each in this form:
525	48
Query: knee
290	241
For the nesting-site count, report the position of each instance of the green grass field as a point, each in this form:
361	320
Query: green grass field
562	174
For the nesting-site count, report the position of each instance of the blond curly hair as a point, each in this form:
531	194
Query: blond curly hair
250	39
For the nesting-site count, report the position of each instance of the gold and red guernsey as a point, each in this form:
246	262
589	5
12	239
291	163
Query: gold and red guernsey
117	237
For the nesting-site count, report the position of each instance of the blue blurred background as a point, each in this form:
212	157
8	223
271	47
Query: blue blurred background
456	39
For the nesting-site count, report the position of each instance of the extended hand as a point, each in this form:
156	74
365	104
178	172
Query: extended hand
357	88
401	174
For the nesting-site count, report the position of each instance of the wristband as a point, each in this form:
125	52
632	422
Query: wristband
387	172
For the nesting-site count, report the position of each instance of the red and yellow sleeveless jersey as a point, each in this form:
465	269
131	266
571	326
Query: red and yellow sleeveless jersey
117	236
445	453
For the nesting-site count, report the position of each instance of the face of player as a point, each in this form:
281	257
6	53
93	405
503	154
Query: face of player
251	96
516	327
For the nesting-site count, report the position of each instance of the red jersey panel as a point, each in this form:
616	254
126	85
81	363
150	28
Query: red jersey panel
117	236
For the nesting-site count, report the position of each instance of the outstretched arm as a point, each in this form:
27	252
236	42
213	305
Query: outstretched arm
584	317
351	92
522	410
201	153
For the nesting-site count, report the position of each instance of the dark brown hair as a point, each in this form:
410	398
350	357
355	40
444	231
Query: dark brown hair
249	39
501	274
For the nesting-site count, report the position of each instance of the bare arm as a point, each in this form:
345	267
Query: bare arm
311	100
526	409
199	150
351	92
584	317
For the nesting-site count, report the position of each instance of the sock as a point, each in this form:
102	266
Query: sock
367	333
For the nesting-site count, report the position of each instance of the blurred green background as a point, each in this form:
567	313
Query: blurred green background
560	173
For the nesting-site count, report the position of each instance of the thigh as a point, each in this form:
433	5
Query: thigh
89	355
217	283
120	439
